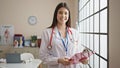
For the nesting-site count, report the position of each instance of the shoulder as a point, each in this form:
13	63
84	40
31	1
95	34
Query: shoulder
47	30
75	33
73	30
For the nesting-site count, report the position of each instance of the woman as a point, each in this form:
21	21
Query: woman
60	41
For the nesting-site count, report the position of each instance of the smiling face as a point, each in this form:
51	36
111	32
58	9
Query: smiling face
62	16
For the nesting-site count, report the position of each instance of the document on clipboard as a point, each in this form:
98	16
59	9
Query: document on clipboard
78	57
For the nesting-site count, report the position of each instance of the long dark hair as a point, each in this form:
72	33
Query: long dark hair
54	22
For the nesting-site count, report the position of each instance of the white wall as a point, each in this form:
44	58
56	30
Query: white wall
16	12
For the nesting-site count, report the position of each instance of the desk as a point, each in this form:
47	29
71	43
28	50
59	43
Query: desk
34	64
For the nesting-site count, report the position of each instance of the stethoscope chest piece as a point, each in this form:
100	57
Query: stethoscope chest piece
49	47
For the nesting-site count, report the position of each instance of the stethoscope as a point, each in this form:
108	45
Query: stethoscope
49	47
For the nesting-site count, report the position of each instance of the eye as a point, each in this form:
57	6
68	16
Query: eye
60	12
66	13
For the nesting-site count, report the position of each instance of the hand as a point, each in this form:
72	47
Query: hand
86	50
64	61
84	61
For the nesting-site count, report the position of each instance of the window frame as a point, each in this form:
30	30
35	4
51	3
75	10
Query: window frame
85	31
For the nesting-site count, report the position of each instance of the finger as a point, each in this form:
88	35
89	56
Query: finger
85	61
67	62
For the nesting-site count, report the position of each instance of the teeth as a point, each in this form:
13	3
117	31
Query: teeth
63	19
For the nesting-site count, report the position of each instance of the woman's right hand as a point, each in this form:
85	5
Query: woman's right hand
64	61
85	61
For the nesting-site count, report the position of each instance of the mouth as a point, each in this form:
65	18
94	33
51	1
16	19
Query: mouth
63	19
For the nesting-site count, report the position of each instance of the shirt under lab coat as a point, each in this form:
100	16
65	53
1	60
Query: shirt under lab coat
50	57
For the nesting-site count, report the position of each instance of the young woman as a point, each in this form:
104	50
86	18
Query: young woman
60	41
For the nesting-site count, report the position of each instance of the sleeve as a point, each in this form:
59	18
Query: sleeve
45	56
80	48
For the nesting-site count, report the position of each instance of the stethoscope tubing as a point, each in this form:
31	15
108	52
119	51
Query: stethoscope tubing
49	45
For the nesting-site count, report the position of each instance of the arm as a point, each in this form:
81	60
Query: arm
84	60
78	56
45	56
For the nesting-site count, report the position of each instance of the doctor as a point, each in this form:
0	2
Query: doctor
60	41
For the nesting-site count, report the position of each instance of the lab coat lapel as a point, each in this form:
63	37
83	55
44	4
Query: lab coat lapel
56	33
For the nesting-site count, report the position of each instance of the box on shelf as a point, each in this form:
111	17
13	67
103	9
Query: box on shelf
18	40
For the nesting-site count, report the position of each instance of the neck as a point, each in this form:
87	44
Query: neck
61	27
62	30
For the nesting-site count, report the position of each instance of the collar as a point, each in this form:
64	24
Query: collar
56	32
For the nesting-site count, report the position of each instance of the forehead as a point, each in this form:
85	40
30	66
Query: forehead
63	9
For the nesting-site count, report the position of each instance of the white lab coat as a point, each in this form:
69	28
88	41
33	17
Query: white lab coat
50	57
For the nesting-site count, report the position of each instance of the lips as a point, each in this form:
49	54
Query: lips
63	19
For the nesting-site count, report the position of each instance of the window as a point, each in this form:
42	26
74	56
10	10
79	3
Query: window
93	28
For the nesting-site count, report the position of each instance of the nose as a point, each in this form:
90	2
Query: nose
63	15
